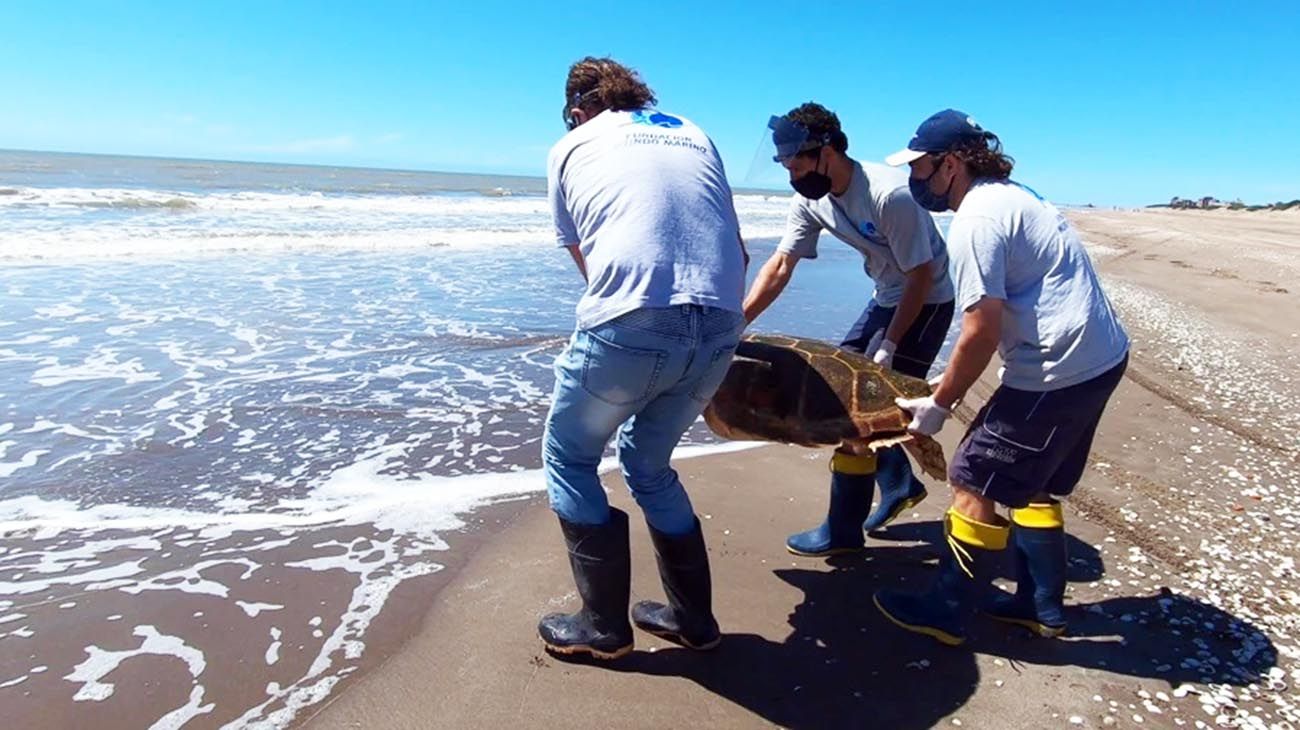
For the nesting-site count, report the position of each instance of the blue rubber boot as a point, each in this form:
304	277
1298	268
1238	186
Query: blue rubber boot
900	490
966	572
853	478
1038	541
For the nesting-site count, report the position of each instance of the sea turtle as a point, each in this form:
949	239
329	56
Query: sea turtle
801	391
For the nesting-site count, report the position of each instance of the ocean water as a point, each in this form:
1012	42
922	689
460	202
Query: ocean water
215	372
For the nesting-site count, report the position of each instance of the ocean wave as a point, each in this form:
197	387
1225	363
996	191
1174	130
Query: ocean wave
60	247
491	200
359	493
64	224
232	202
144	204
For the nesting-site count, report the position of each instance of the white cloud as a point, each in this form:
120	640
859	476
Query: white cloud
388	138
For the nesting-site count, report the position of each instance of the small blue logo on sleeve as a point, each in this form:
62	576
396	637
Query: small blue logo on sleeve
867	229
656	119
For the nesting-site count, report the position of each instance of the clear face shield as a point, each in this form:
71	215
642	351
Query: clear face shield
782	140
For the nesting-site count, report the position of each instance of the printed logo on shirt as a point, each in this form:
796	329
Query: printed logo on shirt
656	119
867	229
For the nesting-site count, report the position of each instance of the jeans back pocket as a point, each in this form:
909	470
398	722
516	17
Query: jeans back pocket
618	374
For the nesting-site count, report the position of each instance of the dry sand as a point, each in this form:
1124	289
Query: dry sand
1183	554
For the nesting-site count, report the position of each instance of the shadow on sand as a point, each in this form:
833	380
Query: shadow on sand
844	665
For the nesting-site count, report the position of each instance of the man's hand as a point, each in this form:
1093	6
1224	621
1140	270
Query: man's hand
884	354
928	417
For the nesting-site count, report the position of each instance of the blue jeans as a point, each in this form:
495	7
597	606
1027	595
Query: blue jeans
647	374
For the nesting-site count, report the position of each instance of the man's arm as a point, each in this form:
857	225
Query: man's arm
919	282
576	253
981	330
744	252
911	233
769	283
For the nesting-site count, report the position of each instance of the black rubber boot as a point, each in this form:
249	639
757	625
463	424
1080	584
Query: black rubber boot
687	619
602	570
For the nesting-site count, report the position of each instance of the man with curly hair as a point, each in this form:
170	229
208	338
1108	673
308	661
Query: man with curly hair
641	201
1027	290
902	326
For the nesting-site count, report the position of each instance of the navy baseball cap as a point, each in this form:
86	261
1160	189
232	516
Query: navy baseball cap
938	134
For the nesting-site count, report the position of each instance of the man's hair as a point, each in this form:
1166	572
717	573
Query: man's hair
983	157
821	123
597	84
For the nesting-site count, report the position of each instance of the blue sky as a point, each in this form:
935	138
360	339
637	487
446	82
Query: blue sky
1110	103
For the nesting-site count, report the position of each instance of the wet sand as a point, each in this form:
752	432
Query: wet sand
247	624
1183	549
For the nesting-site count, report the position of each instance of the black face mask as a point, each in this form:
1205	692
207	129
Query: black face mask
813	185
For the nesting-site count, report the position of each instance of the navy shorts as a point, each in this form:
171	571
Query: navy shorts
921	342
1024	442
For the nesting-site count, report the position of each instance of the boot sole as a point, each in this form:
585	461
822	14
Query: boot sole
824	553
594	652
902	507
940	635
1043	630
679	639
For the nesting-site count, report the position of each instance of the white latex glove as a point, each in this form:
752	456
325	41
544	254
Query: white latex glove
927	416
884	354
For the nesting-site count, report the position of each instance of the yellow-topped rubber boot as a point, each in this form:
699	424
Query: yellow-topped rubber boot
966	571
853	478
1038	543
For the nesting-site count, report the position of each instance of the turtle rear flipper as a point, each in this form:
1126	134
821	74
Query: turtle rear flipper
925	451
928	454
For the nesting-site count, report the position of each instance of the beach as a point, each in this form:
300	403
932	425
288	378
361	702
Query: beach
255	416
293	296
1183	549
269	457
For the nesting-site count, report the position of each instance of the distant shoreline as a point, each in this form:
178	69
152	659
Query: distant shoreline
1209	203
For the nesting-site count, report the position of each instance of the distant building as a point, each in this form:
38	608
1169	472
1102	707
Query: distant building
1208	202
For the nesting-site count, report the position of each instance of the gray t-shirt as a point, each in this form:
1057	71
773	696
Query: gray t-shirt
644	196
1058	328
877	216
